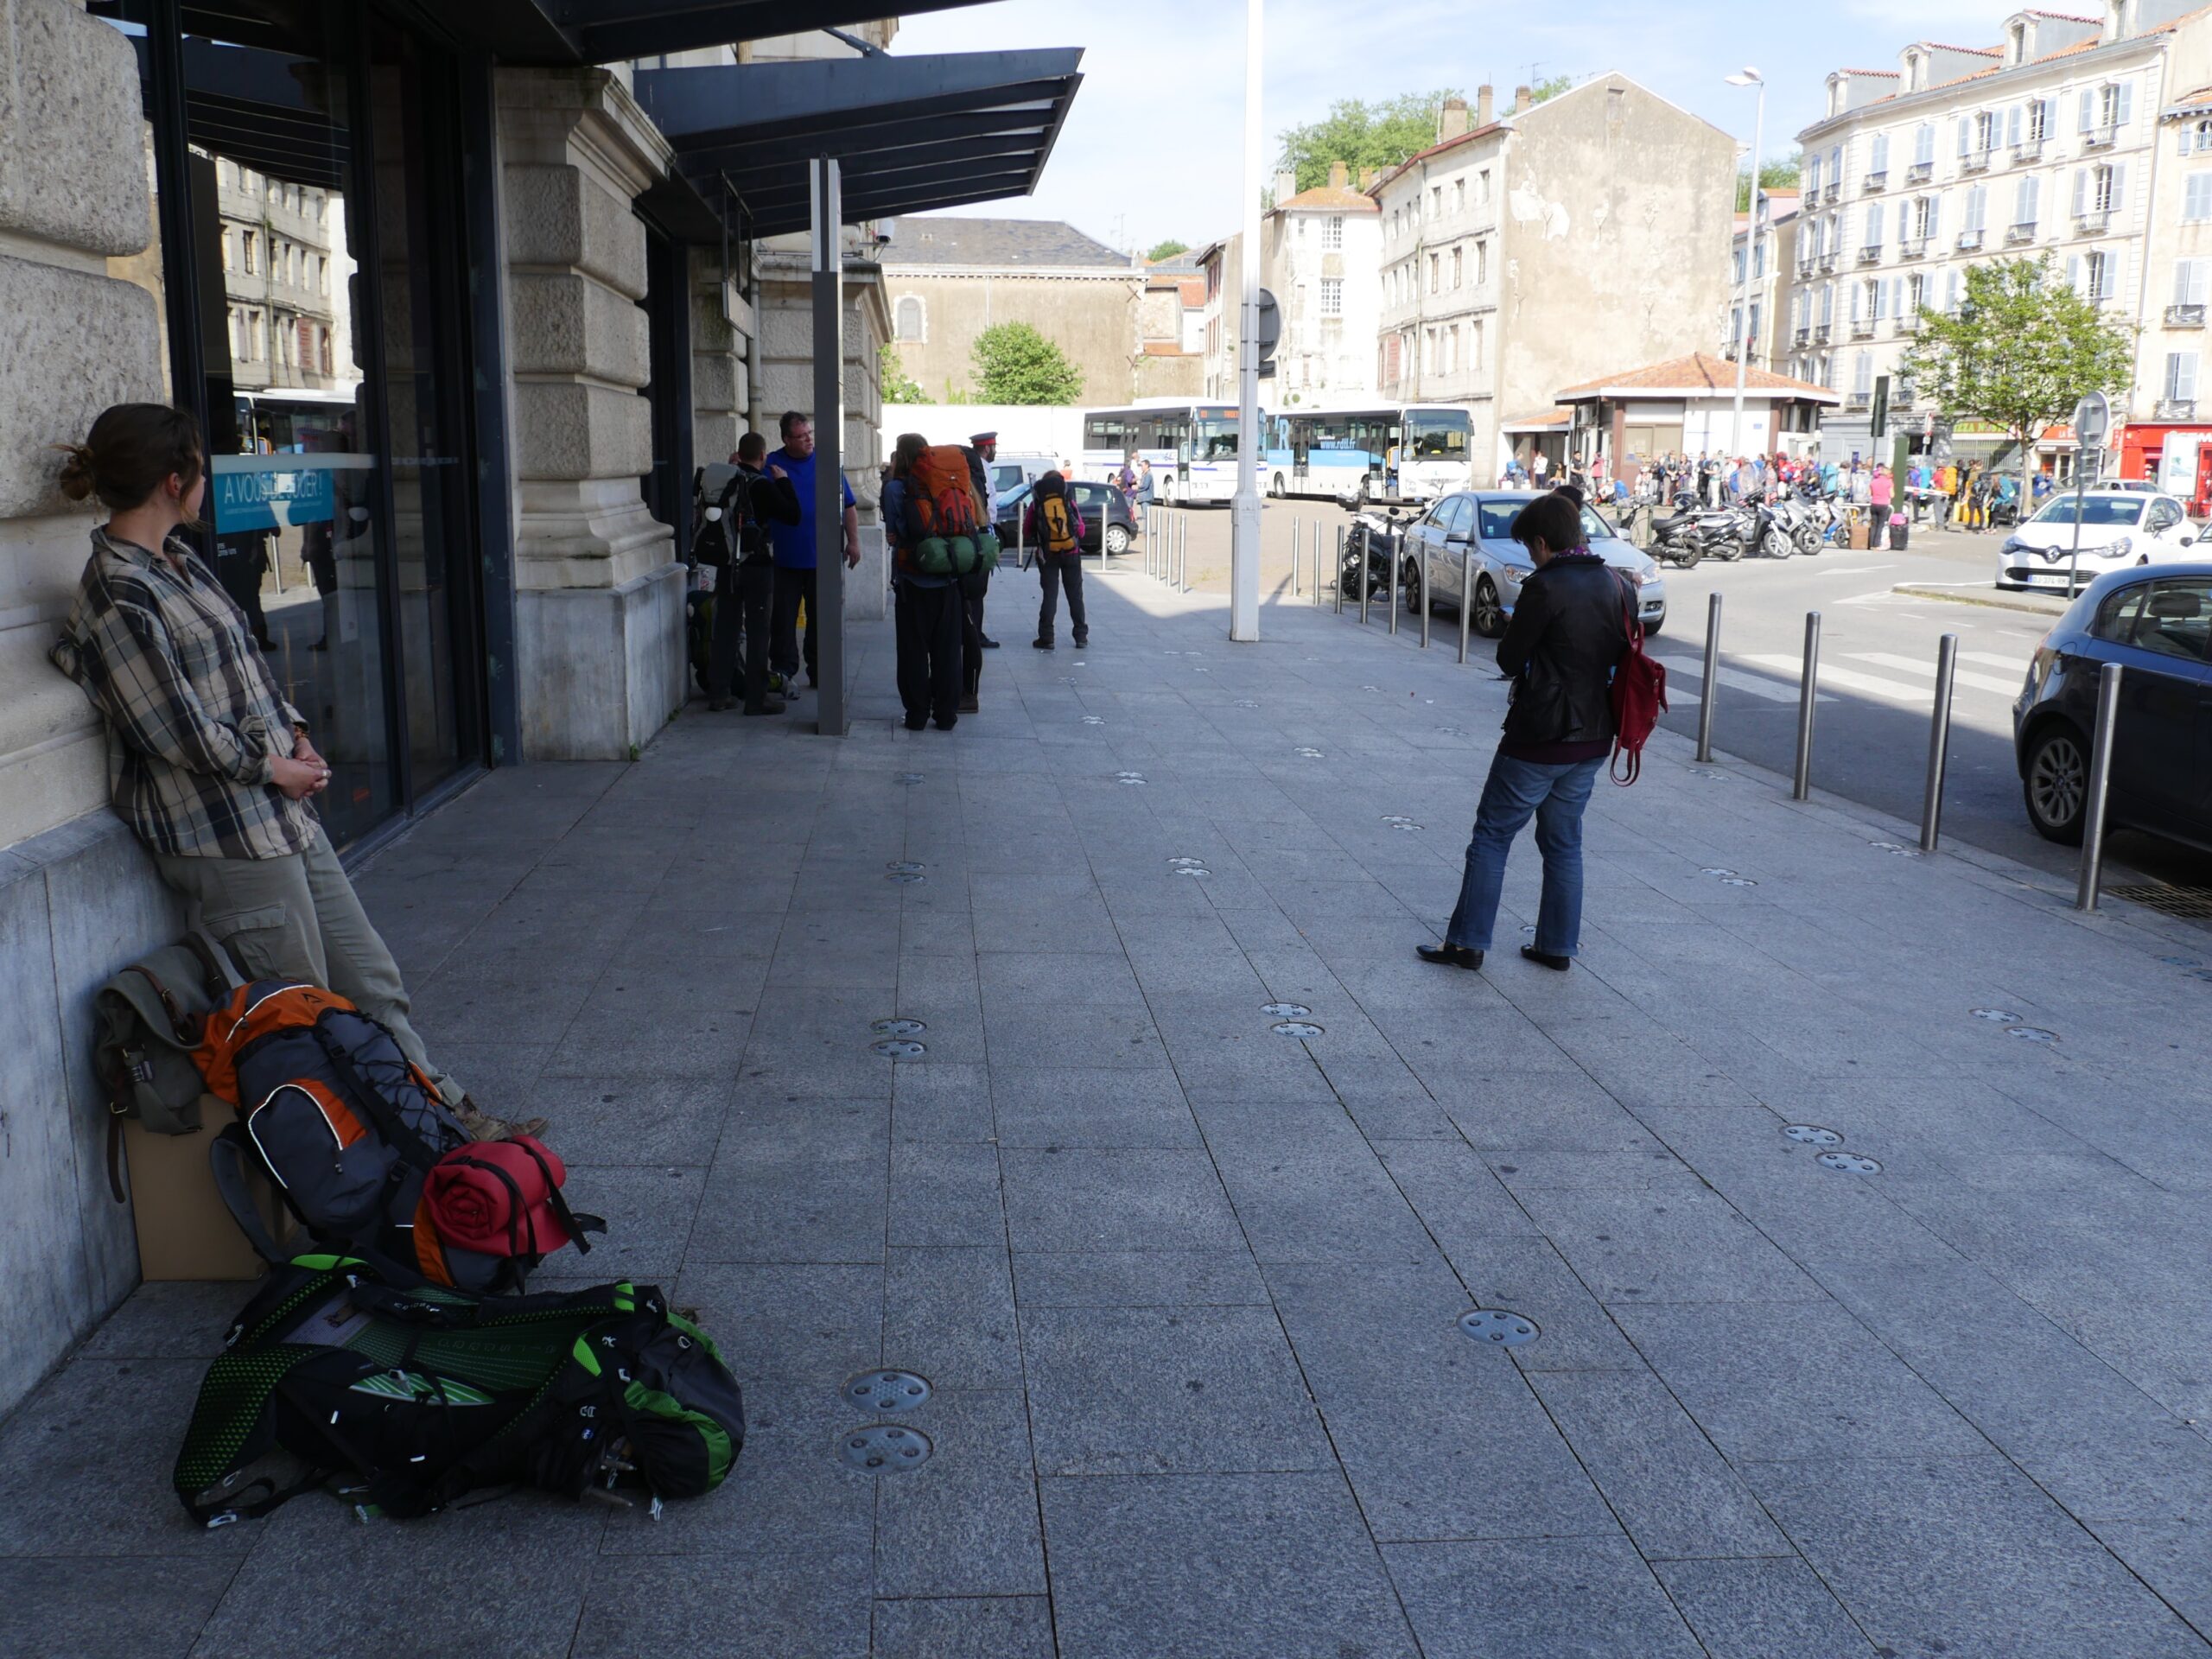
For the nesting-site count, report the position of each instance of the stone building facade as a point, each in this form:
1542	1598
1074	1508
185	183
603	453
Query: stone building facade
947	278
1322	256
483	364
1757	279
2069	137
1536	248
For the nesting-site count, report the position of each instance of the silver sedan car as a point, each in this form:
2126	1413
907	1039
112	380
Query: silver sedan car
1474	529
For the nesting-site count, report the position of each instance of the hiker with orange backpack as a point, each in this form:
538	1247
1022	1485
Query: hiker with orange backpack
1053	524
933	518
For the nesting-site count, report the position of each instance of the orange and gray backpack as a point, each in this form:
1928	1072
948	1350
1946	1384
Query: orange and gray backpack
1056	521
351	1131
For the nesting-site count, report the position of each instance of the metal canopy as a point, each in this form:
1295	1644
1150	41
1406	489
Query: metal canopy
909	133
568	32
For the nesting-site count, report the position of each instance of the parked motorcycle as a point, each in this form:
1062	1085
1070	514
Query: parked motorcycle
1763	527
1373	540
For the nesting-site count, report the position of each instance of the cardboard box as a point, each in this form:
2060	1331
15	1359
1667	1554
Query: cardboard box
185	1229
1859	530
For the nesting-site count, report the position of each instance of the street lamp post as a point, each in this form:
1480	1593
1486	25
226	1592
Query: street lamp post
1244	512
1748	77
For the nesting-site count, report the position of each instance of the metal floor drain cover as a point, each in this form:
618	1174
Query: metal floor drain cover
1850	1163
1716	872
1093	720
900	1049
905	867
1451	731
1191	869
1129	781
1206	671
1997	1016
884	1449
1737	882
906	777
1285	1010
899	1028
2031	1033
1187	863
1296	1028
1395	818
1067	679
2193	903
887	1390
907	877
1813	1135
1308	754
1496	1325
1370	688
1408	827
1529	928
1706	771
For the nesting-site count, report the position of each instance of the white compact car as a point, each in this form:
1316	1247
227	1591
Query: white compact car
2118	528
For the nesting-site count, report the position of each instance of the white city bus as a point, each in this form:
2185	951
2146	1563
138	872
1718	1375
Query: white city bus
1192	447
1405	452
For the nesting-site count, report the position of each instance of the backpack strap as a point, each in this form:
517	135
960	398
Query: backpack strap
228	1157
394	1129
1633	625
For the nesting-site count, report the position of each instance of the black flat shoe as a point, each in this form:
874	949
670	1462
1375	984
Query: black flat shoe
1557	964
990	644
1450	955
1042	645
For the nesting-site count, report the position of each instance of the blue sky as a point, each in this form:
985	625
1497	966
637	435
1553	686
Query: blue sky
1151	148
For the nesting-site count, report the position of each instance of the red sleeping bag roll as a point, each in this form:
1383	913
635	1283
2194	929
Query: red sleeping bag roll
502	1197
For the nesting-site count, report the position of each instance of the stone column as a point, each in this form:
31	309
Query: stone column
599	606
80	329
787	370
722	324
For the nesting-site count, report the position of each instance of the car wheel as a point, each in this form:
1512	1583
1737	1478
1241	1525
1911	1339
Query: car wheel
1490	616
2057	784
1117	540
1410	585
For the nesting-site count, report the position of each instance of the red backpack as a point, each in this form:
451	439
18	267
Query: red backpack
1639	695
941	495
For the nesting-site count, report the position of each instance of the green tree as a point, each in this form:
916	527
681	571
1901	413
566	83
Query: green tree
1014	364
1552	88
2022	350
1774	175
899	387
1363	136
1166	249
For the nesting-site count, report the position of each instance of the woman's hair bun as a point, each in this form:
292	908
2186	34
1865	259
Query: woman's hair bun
77	479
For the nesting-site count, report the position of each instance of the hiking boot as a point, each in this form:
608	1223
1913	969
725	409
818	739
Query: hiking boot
969	706
1042	644
482	1126
715	705
1082	639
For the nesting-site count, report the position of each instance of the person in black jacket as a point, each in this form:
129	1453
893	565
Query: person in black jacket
747	587
1568	631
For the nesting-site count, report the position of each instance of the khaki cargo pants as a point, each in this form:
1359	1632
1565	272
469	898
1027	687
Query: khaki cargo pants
298	917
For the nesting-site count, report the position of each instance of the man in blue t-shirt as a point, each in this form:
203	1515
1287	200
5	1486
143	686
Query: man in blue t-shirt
794	551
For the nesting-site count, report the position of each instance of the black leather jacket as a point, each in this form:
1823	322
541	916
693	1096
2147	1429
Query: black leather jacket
1569	630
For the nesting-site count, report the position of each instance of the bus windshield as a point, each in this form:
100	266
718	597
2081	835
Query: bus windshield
1437	434
1216	441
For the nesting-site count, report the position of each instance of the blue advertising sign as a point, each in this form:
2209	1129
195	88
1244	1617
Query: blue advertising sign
267	494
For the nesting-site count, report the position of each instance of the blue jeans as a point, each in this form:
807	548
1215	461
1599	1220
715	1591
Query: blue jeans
1516	791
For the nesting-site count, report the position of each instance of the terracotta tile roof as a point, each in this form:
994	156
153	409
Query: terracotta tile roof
1697	371
2169	27
1168	348
1335	199
1550	417
1970	51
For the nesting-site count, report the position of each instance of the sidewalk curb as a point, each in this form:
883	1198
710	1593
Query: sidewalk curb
1991	600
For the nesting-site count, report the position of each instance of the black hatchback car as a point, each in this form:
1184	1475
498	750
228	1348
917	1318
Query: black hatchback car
2155	621
1108	524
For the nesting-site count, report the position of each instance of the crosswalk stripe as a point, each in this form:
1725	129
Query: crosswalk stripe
1870	684
1980	681
1994	660
1692	668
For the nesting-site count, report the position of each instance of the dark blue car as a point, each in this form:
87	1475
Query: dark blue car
2156	621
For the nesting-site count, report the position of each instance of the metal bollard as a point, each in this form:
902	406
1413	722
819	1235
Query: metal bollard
1296	528
1394	544
1801	781
1939	743
1424	599
1317	565
1337	581
1711	678
1182	551
1366	573
2093	810
1466	602
1183	569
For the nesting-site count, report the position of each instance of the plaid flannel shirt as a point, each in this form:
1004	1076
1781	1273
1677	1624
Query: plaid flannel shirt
193	715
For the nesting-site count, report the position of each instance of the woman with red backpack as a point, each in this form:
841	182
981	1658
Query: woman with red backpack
1570	629
1053	524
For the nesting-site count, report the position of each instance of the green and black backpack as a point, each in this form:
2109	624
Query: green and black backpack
403	1399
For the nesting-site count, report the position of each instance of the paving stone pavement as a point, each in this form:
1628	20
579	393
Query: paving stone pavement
1187	1290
